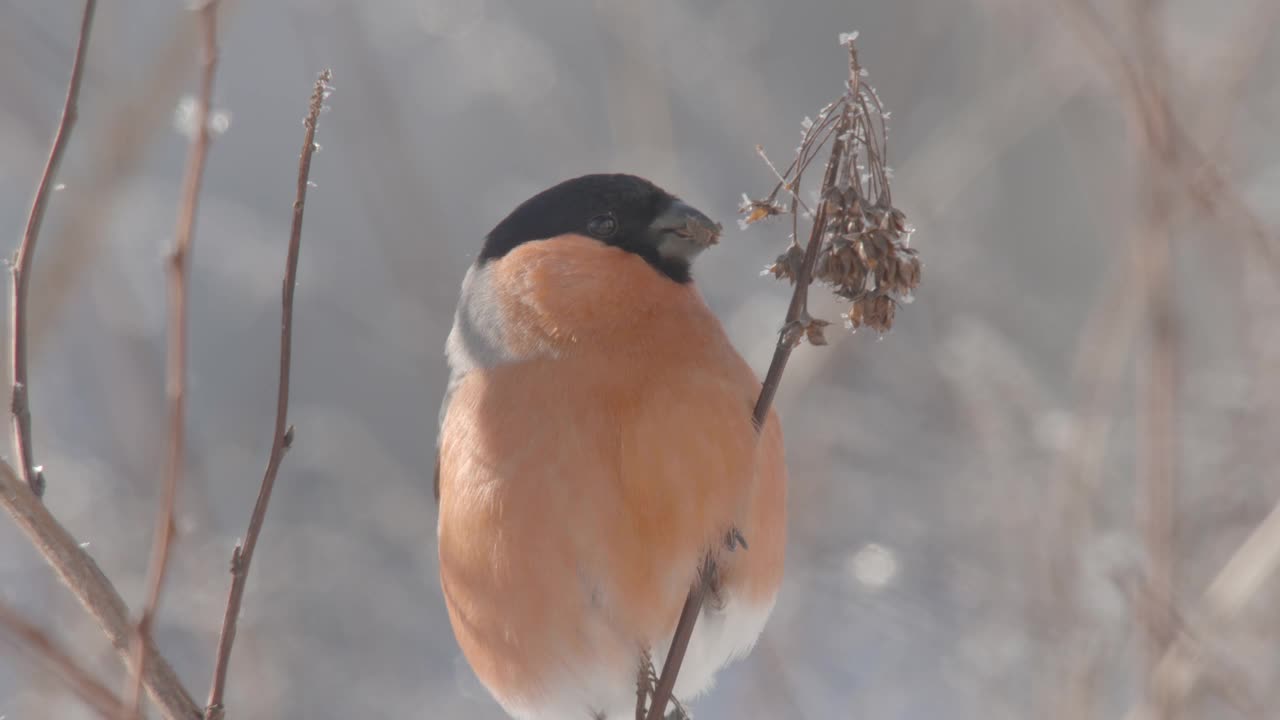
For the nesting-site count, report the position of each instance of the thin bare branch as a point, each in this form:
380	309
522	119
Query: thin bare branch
20	490
1159	384
175	374
798	307
20	402
282	438
31	639
1157	433
81	575
117	145
679	645
857	144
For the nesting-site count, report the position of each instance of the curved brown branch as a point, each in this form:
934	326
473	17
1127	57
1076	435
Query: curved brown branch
31	639
282	438
81	574
175	374
20	401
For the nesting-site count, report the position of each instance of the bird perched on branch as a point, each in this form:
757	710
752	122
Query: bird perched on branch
596	446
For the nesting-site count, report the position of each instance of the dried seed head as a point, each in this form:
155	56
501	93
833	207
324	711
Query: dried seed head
787	265
863	253
814	332
875	312
757	210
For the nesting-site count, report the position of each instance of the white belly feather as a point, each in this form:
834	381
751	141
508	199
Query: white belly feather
720	636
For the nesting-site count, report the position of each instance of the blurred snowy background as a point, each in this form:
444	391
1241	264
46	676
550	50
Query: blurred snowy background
961	545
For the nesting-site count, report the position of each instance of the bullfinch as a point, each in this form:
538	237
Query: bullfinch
596	446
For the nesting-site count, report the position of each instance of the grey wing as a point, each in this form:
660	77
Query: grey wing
475	342
454	377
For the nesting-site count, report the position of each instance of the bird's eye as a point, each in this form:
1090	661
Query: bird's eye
602	226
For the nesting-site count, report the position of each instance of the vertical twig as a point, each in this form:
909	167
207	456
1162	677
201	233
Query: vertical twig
77	679
20	402
793	327
858	246
20	489
679	645
1157	434
1157	412
282	438
798	307
175	373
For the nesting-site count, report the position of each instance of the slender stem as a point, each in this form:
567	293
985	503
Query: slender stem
679	645
1159	385
176	372
20	402
282	438
20	489
768	389
800	297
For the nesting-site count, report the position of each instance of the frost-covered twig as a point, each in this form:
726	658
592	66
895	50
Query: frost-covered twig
857	246
282	437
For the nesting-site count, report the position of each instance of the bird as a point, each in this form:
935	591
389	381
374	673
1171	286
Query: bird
597	456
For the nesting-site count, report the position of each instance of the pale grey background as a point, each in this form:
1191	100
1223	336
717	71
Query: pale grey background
926	460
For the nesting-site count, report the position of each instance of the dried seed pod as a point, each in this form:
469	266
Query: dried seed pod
757	210
862	237
787	265
815	334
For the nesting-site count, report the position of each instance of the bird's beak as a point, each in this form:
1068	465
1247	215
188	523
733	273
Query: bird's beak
683	231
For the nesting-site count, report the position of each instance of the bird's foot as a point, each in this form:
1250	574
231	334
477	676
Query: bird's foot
646	684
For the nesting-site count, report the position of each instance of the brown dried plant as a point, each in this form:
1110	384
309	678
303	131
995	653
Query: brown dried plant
858	247
864	253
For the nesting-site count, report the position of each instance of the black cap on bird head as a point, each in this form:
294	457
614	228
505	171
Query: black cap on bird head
624	211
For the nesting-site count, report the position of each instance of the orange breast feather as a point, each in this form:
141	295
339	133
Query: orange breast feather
580	487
